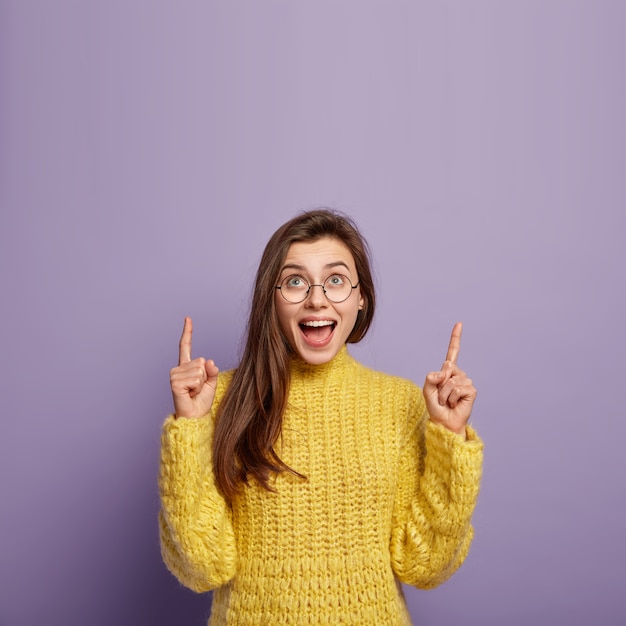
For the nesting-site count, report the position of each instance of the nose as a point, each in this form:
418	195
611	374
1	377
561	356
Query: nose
316	297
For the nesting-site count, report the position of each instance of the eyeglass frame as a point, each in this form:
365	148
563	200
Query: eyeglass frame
308	291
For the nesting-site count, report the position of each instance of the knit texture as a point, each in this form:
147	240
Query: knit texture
388	497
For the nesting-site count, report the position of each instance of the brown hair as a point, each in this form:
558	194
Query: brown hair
249	418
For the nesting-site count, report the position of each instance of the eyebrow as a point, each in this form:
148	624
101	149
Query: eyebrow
301	268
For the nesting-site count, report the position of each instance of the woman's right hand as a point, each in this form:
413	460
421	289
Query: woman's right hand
193	382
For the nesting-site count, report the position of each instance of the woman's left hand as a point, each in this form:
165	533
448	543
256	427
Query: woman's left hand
449	393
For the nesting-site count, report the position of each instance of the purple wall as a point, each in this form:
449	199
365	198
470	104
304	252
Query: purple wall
147	151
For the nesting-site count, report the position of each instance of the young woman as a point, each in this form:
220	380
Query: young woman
304	487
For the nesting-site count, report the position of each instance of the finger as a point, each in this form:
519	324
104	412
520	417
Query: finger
450	395
453	377
444	391
455	343
211	369
461	393
189	377
435	381
432	382
184	347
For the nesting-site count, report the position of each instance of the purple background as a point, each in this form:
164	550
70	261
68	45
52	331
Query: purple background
148	150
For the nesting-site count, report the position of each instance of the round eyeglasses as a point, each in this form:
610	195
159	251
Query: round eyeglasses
295	289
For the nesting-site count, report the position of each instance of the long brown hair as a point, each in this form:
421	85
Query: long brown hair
249	418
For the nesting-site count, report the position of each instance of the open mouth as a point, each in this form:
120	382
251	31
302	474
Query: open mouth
317	332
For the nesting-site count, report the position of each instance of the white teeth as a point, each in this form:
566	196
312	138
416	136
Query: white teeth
316	323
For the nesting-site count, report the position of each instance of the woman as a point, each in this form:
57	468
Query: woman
304	487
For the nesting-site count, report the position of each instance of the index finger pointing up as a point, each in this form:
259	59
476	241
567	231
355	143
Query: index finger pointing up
455	343
184	347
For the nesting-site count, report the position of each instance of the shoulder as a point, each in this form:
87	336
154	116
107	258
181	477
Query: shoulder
398	401
224	379
366	372
395	386
223	382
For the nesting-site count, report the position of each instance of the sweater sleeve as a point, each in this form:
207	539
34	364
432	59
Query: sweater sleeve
196	530
439	476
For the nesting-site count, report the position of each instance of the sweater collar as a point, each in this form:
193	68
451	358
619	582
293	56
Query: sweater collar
304	370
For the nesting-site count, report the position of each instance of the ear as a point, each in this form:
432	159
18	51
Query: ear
361	303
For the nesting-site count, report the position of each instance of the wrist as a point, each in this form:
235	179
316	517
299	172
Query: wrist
460	431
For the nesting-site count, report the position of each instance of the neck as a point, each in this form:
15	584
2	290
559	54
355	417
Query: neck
337	363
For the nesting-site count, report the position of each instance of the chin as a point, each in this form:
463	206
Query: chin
317	356
317	359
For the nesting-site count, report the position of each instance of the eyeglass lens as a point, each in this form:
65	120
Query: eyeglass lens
337	288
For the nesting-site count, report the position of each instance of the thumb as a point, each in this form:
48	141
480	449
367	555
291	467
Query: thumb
211	371
432	380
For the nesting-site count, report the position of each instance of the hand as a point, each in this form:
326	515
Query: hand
449	393
193	382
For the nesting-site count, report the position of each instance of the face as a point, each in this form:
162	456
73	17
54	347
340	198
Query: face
317	328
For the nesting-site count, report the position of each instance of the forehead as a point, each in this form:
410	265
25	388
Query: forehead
317	254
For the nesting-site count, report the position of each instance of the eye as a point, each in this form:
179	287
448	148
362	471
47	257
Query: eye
295	282
336	280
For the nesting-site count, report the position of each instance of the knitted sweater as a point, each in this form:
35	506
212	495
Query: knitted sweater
388	497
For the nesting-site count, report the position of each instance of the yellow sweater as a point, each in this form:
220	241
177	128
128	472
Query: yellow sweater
388	498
